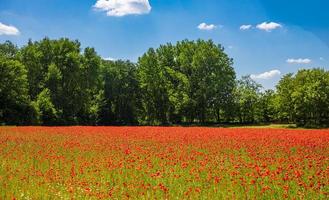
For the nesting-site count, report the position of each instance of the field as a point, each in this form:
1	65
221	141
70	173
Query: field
163	163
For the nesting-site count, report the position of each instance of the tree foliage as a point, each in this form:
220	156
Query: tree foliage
56	82
192	80
14	99
304	98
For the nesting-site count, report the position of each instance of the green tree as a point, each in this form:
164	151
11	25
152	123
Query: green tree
8	50
47	112
91	87
54	82
70	97
177	87
266	106
188	81
155	100
214	80
176	84
71	77
247	98
284	105
15	107
37	56
121	92
303	98
311	97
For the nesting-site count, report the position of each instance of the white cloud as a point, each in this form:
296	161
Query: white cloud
299	61
322	59
119	8
8	30
230	47
245	27
266	75
110	59
268	26
206	27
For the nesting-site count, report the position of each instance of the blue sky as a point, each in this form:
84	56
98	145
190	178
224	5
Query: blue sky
279	36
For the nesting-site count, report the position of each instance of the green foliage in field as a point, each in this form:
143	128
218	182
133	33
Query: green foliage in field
185	82
15	102
56	82
304	98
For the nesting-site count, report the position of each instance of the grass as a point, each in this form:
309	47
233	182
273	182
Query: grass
276	126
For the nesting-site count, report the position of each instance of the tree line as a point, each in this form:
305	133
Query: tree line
56	82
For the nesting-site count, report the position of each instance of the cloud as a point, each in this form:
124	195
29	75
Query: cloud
8	30
268	26
322	59
266	75
206	27
245	27
299	61
120	8
110	59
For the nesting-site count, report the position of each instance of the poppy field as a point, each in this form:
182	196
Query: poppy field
163	163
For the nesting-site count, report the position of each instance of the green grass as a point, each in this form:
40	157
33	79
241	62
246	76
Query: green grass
277	126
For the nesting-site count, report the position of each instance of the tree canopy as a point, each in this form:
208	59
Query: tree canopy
56	82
